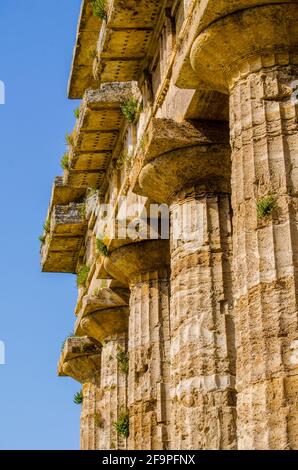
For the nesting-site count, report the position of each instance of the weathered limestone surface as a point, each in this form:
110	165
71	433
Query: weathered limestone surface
145	266
188	332
108	326
202	332
114	391
64	238
258	73
81	360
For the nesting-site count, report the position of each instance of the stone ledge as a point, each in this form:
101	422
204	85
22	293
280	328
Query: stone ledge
81	76
103	324
106	298
125	39
96	133
64	194
80	359
61	248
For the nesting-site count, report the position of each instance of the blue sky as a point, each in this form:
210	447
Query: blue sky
36	310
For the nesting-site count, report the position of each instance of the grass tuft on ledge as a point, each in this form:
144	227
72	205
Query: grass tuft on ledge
266	206
122	425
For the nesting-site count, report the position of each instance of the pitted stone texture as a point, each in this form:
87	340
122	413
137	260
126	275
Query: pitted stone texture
235	45
61	248
148	378
145	265
81	70
91	429
202	324
113	392
264	143
81	360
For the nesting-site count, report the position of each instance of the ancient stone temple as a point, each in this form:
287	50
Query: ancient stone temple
178	211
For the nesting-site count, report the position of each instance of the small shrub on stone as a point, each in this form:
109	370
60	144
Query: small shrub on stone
78	398
102	247
82	276
42	239
129	110
122	425
64	162
77	113
69	139
266	206
99	9
122	362
47	225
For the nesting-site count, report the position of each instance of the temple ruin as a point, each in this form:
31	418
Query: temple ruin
178	211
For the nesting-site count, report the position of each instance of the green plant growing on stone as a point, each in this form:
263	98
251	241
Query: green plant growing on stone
78	398
69	138
42	239
64	162
129	109
266	206
124	160
99	9
92	54
77	113
83	211
122	425
123	362
82	276
102	247
47	225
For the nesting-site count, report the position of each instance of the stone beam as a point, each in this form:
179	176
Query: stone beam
63	240
95	134
81	76
125	39
63	194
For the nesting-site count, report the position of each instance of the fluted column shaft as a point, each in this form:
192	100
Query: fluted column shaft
114	391
109	327
264	143
202	326
90	428
148	347
252	55
144	265
194	181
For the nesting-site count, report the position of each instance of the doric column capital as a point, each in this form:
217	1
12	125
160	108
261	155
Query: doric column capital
135	259
80	359
245	42
162	178
103	324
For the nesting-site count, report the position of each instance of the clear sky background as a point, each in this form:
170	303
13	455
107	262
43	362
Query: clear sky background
36	310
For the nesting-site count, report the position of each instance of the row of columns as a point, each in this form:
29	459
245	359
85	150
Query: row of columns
211	332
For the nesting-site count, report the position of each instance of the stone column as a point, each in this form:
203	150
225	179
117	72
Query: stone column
109	328
195	183
81	360
252	55
145	265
